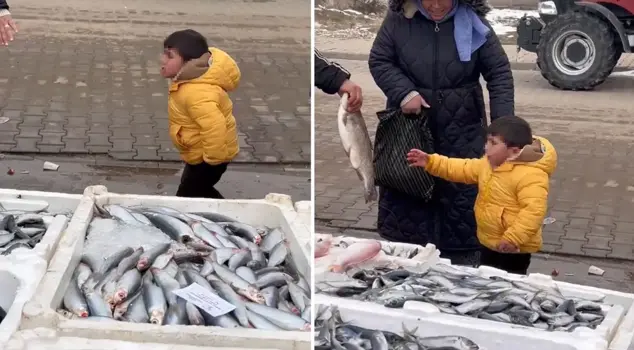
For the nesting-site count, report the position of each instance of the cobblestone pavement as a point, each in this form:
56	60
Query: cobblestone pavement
592	193
83	77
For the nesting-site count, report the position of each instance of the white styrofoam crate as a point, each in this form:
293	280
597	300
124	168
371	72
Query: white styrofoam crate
616	332
49	339
20	275
304	211
488	335
275	211
58	203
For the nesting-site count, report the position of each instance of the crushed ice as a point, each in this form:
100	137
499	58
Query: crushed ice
107	236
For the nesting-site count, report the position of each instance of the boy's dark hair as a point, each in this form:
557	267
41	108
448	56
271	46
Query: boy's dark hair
188	43
514	131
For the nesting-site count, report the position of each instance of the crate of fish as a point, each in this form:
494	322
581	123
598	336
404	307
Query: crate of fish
340	328
178	270
50	339
443	295
34	221
432	330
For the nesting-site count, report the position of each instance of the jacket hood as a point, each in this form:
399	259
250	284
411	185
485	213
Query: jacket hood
409	8
540	154
215	67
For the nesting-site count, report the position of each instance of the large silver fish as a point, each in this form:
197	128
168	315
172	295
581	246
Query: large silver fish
357	145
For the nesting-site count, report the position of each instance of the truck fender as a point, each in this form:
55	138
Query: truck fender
616	24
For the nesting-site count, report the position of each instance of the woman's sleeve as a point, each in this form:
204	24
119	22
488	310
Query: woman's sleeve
496	70
388	76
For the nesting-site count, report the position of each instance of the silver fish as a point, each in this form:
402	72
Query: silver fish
271	240
154	300
167	284
278	254
173	227
228	294
358	147
280	318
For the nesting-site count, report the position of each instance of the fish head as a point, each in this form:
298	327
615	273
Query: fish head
254	294
143	263
157	316
254	265
257	239
307	327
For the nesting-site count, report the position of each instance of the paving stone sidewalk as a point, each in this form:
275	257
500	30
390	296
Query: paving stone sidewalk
86	92
592	191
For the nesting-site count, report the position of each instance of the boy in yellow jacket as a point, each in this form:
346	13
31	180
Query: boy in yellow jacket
201	122
513	181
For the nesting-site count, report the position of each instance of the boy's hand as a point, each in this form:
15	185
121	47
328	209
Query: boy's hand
507	247
418	158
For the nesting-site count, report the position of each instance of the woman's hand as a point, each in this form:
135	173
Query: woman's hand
417	158
8	28
415	105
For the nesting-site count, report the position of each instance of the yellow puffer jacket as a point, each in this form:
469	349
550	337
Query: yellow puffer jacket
201	122
512	198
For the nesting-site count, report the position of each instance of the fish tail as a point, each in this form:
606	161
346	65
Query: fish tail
370	194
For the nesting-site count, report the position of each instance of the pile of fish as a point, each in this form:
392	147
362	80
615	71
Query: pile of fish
332	333
22	229
326	244
458	292
246	266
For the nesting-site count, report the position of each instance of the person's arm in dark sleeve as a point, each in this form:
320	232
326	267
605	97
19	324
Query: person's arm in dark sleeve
4	5
329	76
496	70
388	76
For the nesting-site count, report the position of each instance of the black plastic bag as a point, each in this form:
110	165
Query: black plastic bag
396	134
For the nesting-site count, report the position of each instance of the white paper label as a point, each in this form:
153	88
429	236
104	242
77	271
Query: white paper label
205	300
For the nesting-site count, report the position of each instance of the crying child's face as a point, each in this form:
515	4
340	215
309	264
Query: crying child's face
171	63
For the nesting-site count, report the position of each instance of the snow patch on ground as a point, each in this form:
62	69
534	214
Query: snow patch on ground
504	21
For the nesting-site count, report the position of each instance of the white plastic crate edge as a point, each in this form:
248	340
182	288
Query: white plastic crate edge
39	313
304	210
47	246
22	273
489	335
39	338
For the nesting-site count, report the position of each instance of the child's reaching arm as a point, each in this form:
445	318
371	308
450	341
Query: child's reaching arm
206	112
532	195
451	169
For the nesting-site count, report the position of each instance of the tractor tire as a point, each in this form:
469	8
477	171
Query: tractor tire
597	33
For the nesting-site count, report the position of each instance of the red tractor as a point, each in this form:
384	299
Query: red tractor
578	43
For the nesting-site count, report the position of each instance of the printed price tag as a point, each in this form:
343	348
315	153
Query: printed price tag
205	300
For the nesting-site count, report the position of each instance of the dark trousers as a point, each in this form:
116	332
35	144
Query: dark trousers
510	262
198	180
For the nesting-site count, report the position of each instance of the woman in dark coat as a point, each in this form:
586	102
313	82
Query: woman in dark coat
430	54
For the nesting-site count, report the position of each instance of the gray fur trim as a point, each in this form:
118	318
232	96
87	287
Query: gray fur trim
481	7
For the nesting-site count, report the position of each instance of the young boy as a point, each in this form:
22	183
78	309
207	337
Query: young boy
513	180
201	122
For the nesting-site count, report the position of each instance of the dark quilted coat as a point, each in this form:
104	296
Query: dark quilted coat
409	54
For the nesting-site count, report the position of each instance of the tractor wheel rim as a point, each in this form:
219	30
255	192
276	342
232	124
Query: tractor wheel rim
564	44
